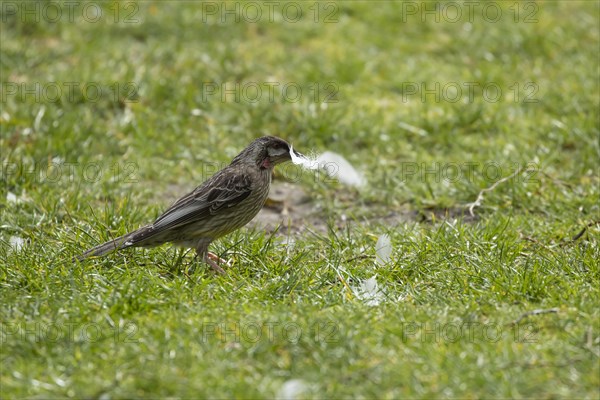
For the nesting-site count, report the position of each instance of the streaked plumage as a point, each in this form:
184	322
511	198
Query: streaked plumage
225	202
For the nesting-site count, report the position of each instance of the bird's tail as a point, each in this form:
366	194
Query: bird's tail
119	243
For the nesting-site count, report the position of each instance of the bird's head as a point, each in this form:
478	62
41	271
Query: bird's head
265	152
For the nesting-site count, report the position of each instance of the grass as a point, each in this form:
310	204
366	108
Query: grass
141	126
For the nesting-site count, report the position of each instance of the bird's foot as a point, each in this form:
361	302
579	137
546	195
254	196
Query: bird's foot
215	262
212	256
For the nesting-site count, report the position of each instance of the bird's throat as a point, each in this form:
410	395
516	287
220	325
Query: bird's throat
266	163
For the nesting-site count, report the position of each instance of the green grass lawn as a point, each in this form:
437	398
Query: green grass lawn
110	111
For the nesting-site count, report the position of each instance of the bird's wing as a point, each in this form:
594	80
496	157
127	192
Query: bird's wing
223	190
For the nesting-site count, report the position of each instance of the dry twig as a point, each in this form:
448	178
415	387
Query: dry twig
534	312
479	200
585	228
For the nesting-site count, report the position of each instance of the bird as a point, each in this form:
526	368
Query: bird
222	204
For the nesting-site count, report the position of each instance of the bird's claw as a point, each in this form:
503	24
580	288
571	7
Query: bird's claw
215	262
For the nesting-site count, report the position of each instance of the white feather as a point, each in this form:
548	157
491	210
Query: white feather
383	250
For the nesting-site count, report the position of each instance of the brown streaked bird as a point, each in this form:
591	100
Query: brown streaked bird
225	202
